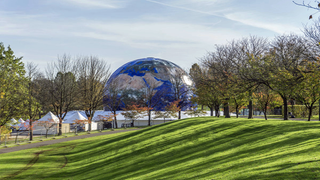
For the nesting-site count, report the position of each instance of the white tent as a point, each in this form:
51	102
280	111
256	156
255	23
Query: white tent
76	116
50	116
13	121
21	121
52	126
21	124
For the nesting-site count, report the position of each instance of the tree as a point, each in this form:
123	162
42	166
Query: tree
62	87
33	107
107	118
4	130
308	91
194	112
93	76
205	91
152	94
309	6
180	90
173	108
28	125
47	125
278	68
80	123
238	101
282	66
312	32
170	111
134	112
221	73
113	99
12	89
263	98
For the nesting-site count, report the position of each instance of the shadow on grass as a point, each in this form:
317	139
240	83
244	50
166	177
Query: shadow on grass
196	148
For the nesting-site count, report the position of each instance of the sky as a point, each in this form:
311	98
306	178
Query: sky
119	31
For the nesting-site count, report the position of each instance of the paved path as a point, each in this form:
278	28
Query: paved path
44	143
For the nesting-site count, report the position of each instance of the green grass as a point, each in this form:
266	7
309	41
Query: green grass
24	139
195	148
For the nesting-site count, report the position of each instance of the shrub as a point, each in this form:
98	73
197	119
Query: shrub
300	111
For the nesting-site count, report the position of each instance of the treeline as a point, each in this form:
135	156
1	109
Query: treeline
256	70
67	84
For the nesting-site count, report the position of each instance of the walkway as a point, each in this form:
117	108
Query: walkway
44	143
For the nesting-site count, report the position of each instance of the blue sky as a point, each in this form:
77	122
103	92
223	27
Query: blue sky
118	31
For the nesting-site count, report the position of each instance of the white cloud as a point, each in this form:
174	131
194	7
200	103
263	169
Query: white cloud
157	34
253	20
207	7
224	9
109	4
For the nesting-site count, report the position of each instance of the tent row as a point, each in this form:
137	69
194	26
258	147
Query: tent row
72	116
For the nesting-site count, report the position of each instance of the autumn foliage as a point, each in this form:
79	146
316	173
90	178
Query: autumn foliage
134	112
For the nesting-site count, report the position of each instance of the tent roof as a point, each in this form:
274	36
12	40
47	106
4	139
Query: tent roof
13	121
21	120
49	116
75	116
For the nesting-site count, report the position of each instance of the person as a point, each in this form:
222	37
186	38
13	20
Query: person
291	115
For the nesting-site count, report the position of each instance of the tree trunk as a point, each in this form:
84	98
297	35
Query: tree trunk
60	127
285	108
179	115
17	137
211	111
89	125
149	118
31	130
115	120
227	113
237	111
265	113
217	110
310	112
250	107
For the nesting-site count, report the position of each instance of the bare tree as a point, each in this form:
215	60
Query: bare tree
47	125
62	86
181	91
112	99
309	6
33	107
93	76
222	72
249	50
153	95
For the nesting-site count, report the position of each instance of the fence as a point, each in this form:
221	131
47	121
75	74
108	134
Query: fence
21	138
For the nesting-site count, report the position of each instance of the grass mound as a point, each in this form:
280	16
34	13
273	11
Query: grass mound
195	148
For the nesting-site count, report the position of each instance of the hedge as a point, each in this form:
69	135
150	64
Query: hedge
300	111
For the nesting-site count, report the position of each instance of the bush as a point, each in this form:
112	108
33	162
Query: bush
300	111
4	130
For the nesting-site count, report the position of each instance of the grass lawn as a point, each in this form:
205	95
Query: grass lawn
36	138
194	148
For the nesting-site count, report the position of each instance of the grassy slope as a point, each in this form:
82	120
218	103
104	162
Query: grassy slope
198	148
